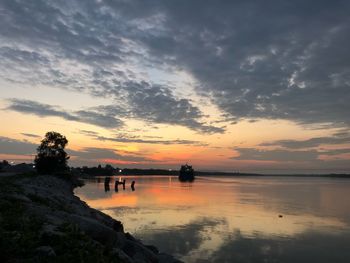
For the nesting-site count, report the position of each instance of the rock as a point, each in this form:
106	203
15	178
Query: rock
95	229
138	252
152	248
55	204
48	232
120	239
130	237
45	251
165	258
19	197
122	256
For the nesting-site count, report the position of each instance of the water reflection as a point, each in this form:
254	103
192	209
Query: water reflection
307	247
218	219
181	240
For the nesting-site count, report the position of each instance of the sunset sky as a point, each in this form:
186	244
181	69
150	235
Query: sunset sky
251	86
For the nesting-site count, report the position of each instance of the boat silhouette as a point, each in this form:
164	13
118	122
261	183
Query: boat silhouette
186	173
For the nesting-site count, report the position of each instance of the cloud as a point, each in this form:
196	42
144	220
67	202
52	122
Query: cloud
30	135
283	155
309	143
66	38
13	146
286	62
307	151
157	104
102	120
276	155
45	110
88	154
336	151
88	133
172	239
94	154
127	138
283	60
124	139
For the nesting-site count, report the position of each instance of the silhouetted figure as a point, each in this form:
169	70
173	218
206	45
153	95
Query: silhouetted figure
116	186
133	185
124	184
107	180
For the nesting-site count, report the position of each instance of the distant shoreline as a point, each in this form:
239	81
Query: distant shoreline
108	170
156	172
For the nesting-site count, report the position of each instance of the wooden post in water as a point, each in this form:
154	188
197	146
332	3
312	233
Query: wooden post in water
107	180
116	184
133	185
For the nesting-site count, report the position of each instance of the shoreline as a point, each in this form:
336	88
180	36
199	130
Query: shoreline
331	175
42	220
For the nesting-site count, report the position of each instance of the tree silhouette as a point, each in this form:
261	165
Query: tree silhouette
51	157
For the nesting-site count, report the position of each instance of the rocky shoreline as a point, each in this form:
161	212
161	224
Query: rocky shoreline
43	221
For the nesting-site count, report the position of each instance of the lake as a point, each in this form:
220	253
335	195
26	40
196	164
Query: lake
233	219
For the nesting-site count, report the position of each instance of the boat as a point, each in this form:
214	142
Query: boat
186	173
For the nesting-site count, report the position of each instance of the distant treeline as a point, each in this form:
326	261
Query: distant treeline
110	170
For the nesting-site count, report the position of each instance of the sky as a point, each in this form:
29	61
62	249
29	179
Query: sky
251	86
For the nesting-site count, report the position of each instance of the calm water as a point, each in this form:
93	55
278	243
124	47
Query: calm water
225	219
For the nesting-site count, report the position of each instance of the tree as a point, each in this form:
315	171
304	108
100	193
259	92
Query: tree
51	157
3	164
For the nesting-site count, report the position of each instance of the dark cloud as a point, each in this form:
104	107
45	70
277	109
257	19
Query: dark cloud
284	60
313	142
307	151
311	156
126	139
88	133
88	154
278	60
342	133
98	119
39	109
276	155
66	34
45	110
31	135
157	104
93	154
13	146
336	151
